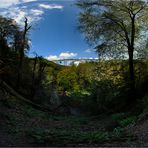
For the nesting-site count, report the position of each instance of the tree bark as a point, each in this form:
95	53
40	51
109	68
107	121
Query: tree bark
131	71
33	79
19	77
21	52
131	52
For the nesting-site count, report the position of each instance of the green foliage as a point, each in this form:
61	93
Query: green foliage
124	119
118	133
119	116
62	137
95	137
68	79
113	27
144	102
110	28
77	121
31	112
104	84
128	121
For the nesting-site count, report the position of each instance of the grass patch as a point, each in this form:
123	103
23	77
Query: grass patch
9	102
70	119
31	112
56	137
64	137
124	119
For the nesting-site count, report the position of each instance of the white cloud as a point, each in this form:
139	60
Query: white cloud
63	55
37	12
13	9
52	57
30	43
7	3
21	15
54	6
27	1
89	50
15	13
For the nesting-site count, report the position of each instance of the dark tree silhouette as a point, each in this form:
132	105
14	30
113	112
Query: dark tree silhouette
23	45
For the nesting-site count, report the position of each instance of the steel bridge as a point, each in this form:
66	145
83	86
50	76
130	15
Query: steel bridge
75	61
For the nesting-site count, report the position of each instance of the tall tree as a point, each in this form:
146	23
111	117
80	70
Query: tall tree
23	44
33	75
8	27
39	65
114	26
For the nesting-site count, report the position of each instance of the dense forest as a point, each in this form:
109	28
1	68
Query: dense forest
103	103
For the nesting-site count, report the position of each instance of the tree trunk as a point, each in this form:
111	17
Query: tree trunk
33	86
23	42
131	70
132	92
20	69
131	51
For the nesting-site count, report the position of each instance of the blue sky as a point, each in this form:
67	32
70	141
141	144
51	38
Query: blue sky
54	31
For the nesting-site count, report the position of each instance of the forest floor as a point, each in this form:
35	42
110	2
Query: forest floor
22	125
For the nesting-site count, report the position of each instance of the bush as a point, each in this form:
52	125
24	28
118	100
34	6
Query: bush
144	102
119	116
117	133
128	121
61	137
124	119
94	137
